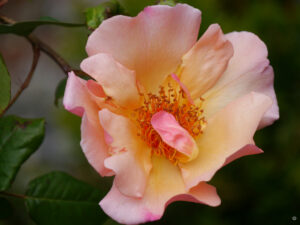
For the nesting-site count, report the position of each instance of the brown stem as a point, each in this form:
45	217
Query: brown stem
43	46
51	53
37	45
36	55
12	195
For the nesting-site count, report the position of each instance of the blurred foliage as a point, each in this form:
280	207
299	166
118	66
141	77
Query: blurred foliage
60	90
25	28
167	2
5	85
19	138
77	202
6	210
133	7
96	15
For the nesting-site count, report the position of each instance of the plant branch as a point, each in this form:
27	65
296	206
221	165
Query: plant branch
51	53
36	55
43	47
37	46
5	193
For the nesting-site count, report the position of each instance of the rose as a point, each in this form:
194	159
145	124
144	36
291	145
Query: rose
165	111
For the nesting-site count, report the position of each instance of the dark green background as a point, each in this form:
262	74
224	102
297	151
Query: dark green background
262	189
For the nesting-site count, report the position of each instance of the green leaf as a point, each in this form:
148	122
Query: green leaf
19	138
57	198
5	85
133	7
6	210
60	90
25	28
95	15
48	18
167	2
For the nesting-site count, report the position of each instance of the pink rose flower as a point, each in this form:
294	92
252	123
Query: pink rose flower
165	111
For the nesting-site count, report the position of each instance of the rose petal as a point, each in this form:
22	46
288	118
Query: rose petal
173	134
99	97
247	150
227	131
165	185
202	193
95	89
183	87
94	146
117	81
206	61
77	99
248	70
131	157
151	44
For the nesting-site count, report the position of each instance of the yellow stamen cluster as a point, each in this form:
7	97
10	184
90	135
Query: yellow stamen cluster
175	102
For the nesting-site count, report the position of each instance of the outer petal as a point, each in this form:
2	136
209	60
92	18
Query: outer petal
227	131
77	99
206	61
174	135
98	95
117	81
165	185
202	193
94	146
247	71
247	150
151	44
130	158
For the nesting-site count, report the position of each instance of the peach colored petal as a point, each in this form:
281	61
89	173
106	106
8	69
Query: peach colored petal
247	150
77	99
183	87
131	176
249	51
98	96
94	146
202	193
95	89
174	135
165	185
227	131
118	82
206	61
151	44
248	70
130	158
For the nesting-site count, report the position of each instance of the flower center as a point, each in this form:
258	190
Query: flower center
172	100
